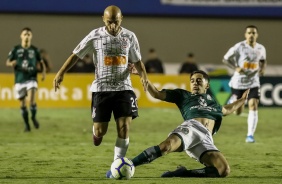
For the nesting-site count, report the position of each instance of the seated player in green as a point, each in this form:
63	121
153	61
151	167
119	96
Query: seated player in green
202	118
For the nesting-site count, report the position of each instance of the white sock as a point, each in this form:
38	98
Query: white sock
121	147
252	122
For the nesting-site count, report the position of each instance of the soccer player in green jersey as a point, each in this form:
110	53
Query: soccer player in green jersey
25	59
202	118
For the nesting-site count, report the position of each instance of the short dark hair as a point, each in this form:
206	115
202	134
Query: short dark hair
251	26
205	75
26	29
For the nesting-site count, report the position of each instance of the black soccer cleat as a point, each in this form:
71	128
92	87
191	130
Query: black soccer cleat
179	172
35	123
27	129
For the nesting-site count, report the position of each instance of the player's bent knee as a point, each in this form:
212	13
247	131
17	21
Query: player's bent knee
165	147
100	132
224	171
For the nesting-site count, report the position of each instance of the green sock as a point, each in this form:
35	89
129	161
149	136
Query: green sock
24	113
147	156
33	110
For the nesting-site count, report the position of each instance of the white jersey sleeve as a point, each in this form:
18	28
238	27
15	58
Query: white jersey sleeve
85	46
263	53
231	55
134	51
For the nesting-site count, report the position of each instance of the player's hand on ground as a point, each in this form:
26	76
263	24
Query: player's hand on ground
57	81
245	94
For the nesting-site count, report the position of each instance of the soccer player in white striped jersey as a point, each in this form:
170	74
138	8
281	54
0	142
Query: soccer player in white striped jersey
248	59
112	92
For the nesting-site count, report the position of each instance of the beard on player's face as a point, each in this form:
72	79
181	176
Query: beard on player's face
113	29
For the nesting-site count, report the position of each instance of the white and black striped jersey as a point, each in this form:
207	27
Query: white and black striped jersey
110	55
248	58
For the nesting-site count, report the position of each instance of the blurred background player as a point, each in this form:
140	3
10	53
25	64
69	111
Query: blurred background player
154	64
189	65
26	60
112	46
248	59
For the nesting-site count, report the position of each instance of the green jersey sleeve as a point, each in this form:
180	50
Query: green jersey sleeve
173	95
12	54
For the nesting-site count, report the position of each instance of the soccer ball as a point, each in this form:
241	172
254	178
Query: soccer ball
122	169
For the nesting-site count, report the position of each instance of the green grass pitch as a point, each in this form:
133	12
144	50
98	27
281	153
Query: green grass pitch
61	151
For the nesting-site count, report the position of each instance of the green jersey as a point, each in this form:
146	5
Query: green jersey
196	105
27	59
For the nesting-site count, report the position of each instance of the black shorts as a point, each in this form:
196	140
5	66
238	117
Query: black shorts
254	93
121	103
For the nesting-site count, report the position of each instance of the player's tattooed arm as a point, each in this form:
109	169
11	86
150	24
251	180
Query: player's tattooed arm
233	65
262	66
69	63
142	73
60	75
229	63
230	108
131	68
154	92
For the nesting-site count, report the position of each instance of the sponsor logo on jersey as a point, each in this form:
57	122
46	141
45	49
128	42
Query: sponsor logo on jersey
123	35
30	53
114	60
124	42
202	102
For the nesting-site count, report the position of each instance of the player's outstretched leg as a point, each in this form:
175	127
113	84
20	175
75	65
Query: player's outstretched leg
147	156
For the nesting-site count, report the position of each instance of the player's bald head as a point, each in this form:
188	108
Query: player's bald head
112	12
112	19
